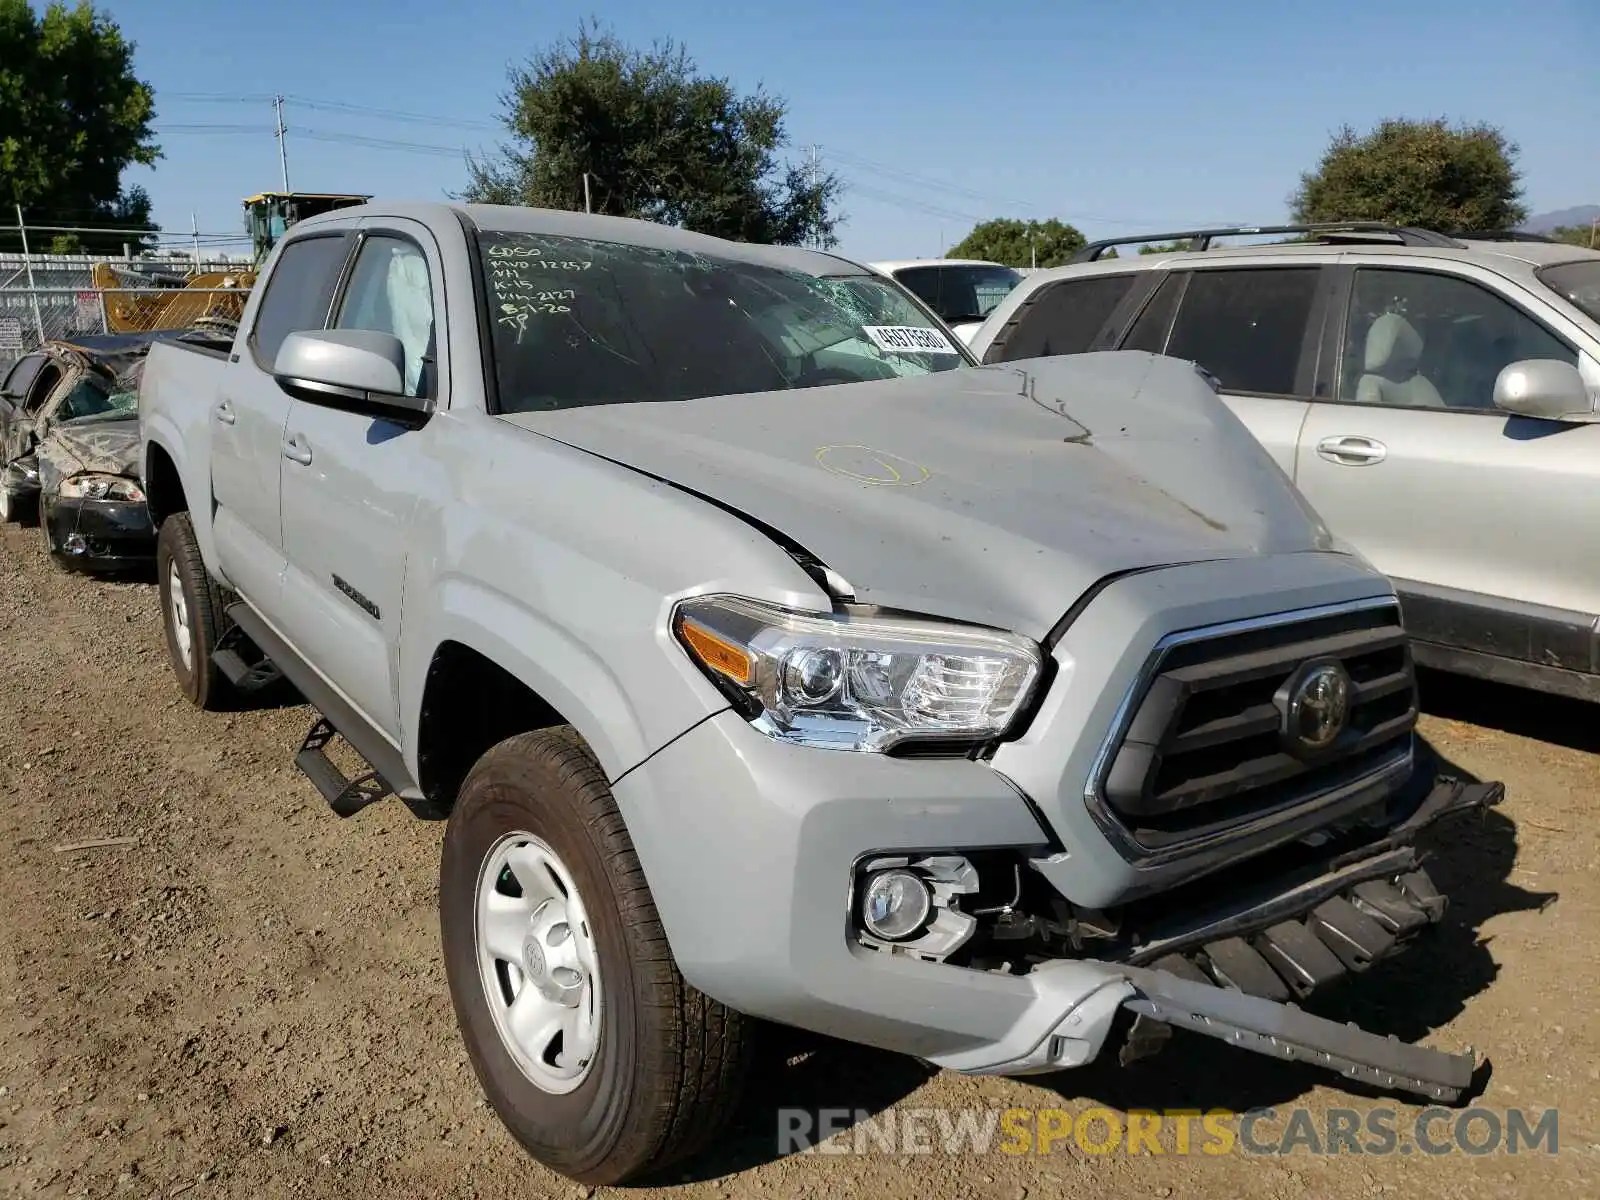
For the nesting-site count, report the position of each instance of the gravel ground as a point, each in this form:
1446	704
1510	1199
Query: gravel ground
249	1001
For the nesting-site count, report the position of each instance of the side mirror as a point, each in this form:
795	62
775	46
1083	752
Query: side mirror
360	370
1546	388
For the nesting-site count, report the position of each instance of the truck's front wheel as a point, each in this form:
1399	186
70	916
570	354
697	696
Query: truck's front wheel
191	613
596	1054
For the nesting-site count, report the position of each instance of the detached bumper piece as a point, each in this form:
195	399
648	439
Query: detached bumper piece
1285	1032
1235	978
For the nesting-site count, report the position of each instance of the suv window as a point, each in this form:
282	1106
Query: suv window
1149	332
298	293
390	292
959	294
1246	325
1063	317
1424	339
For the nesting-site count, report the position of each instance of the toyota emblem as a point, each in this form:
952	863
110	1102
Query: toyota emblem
1315	706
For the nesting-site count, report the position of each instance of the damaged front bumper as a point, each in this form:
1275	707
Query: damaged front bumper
99	535
1234	975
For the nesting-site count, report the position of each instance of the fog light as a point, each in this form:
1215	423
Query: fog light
895	905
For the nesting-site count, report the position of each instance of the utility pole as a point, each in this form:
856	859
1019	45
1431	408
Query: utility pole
587	206
283	141
813	172
194	230
1594	226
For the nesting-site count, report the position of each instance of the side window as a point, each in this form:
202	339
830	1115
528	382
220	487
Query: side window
22	375
1149	332
1423	339
390	292
1064	317
298	293
1246	326
45	382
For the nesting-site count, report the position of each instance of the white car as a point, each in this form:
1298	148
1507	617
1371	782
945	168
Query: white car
1436	399
961	291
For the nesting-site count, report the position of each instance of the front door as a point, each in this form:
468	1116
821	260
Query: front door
351	482
1484	520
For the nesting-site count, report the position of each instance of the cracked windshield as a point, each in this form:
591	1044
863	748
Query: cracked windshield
579	322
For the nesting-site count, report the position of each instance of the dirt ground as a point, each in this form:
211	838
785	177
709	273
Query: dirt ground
249	1000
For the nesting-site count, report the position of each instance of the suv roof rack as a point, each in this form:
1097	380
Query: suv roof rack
1502	235
1200	239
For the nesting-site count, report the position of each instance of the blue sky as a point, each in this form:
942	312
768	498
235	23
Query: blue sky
1119	117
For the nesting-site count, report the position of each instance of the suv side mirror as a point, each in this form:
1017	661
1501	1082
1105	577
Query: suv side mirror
360	370
1546	388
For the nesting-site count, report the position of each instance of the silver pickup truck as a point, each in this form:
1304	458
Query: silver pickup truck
772	659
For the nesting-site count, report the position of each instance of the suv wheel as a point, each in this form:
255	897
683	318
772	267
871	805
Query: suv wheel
594	1052
191	613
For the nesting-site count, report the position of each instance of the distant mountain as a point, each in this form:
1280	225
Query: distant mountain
1562	219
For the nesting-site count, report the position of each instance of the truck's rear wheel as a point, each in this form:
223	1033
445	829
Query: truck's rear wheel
594	1052
191	614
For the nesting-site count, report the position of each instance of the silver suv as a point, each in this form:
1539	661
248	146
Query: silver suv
1434	397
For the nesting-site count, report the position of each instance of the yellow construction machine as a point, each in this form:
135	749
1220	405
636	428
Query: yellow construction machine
136	301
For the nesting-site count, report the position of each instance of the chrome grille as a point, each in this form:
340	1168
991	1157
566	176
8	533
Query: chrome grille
1203	746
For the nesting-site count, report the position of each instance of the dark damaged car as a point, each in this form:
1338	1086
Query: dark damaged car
69	442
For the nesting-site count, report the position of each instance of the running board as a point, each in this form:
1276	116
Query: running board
345	796
1285	1031
337	717
230	657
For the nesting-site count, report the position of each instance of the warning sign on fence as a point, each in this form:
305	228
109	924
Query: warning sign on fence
10	335
87	318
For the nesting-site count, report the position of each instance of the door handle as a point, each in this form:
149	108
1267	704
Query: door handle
1351	451
224	412
297	451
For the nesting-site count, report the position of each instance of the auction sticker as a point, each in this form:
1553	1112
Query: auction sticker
908	339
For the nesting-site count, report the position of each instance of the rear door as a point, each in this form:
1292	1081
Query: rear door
1256	329
249	412
1485	520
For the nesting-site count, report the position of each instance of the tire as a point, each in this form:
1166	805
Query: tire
181	573
668	1062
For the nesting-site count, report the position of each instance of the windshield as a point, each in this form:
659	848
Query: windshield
960	294
579	322
1579	282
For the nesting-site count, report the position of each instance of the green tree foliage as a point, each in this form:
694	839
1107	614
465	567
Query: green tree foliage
1014	243
1428	174
658	140
73	116
1163	247
1576	235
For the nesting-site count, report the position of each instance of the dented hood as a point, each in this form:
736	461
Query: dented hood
995	494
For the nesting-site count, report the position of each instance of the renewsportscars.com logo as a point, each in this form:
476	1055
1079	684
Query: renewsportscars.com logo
1099	1131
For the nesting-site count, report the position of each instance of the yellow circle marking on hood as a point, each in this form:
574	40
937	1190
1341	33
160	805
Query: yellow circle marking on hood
875	468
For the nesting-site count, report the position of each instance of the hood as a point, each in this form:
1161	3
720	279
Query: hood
996	495
105	444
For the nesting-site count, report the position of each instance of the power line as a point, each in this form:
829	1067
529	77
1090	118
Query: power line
377	143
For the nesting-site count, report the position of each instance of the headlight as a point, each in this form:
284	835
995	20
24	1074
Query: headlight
101	487
851	682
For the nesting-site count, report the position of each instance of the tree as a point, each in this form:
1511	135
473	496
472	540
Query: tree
73	116
1163	247
657	140
1427	174
1015	243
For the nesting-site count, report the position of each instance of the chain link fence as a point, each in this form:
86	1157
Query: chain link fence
31	316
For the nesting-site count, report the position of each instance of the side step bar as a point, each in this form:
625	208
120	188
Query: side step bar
338	718
1286	1032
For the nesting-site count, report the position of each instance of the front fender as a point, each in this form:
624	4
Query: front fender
564	671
